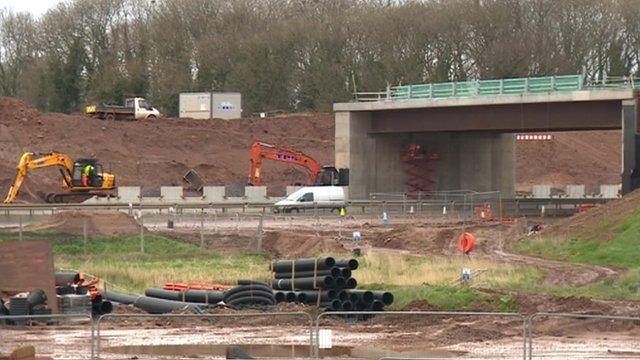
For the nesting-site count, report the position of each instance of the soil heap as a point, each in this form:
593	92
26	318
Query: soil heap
99	223
159	152
591	158
590	223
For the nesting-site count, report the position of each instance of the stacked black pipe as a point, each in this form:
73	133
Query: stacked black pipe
68	283
325	282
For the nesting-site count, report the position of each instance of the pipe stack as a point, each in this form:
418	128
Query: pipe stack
77	296
325	282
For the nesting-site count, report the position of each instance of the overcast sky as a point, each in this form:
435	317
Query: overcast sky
36	7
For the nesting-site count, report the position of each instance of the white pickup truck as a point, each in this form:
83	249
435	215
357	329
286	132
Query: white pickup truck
136	108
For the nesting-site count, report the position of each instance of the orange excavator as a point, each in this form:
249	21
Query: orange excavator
318	175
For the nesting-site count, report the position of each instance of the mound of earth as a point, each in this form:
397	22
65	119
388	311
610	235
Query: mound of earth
590	223
159	152
99	223
291	245
591	158
414	238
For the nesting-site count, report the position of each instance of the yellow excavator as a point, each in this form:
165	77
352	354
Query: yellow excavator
82	178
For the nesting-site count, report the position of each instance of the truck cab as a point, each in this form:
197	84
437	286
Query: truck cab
141	108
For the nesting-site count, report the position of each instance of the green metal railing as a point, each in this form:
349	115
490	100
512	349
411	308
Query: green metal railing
519	86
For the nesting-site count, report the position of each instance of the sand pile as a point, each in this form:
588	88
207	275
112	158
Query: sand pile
99	223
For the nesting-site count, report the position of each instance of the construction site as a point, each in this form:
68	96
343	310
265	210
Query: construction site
323	235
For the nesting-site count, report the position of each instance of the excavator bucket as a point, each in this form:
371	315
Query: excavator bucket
194	180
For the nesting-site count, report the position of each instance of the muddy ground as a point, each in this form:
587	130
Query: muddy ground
384	335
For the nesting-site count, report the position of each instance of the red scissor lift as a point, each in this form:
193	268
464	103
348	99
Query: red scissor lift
419	171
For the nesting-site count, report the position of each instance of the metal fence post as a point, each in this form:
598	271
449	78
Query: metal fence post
20	230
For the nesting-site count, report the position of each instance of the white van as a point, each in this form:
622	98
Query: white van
308	197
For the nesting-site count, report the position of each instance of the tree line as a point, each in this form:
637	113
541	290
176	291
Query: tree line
302	55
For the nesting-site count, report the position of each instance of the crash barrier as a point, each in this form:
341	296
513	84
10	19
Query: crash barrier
353	321
48	341
604	344
597	339
278	316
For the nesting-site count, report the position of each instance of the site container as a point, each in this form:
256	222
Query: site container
208	105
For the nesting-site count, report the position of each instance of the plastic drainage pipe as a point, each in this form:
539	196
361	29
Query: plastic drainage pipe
364	296
347	306
311	297
36	297
303	264
377	305
384	296
149	304
339	282
343	295
256	286
196	296
334	271
291	296
345	273
347	263
66	278
102	307
309	283
253	293
335	305
249	300
353	297
280	296
204	296
351	283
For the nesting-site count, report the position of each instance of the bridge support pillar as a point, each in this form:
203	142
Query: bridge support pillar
630	145
471	160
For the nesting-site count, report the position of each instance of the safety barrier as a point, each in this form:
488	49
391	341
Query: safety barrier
530	346
39	342
573	347
506	353
516	86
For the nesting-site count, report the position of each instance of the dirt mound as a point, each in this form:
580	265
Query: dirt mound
288	244
590	223
415	238
159	152
573	157
99	223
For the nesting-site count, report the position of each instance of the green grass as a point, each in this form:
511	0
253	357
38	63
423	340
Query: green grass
446	297
623	250
120	261
620	248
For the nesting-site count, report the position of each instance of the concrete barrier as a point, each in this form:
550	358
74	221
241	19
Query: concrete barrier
255	193
541	191
213	193
609	191
129	194
575	191
171	193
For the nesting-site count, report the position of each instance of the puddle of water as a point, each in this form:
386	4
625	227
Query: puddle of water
266	351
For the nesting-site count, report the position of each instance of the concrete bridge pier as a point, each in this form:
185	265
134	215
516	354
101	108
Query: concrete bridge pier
474	160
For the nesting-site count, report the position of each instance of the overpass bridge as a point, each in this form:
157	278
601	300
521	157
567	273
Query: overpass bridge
471	126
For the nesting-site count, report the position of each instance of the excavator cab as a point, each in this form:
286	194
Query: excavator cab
327	176
95	178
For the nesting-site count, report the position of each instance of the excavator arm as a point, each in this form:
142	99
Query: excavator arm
30	161
261	150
